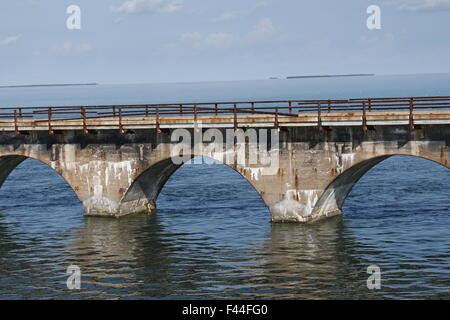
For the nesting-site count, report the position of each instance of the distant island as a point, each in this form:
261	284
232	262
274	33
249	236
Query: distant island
50	85
333	76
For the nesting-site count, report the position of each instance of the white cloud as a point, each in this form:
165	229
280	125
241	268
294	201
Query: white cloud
70	47
10	40
191	36
220	40
423	5
264	29
230	15
234	15
148	6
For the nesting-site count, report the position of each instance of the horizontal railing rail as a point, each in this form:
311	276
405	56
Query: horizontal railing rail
276	108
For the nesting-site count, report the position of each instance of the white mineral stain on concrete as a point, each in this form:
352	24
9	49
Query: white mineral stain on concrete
100	205
255	173
347	159
67	154
102	179
290	209
413	147
107	170
344	161
310	197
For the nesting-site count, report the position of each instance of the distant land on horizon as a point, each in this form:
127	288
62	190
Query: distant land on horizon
333	75
49	85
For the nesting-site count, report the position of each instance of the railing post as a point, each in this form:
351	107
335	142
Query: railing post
50	129
121	130
319	115
277	125
411	114
370	104
216	108
114	111
329	106
181	109
20	113
146	110
158	129
253	107
195	113
290	106
83	116
235	118
364	118
16	127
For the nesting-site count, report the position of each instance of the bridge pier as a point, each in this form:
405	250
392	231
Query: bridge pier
102	174
318	168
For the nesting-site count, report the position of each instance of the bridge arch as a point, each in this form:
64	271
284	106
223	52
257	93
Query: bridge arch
333	197
9	162
146	187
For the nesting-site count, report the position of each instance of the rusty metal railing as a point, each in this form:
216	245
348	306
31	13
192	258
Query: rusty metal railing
281	108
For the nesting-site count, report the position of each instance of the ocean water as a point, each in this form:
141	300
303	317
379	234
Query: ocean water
212	236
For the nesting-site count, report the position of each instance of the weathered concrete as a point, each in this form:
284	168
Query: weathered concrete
115	175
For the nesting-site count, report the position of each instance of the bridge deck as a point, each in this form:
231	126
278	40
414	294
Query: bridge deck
227	121
351	112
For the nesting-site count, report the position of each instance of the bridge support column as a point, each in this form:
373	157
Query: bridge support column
293	191
103	185
289	194
100	176
305	187
314	180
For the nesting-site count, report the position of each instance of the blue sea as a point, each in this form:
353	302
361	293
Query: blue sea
212	236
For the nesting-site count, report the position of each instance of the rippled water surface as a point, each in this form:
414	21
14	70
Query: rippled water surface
212	238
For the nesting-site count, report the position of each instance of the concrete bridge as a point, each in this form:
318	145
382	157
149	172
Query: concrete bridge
118	158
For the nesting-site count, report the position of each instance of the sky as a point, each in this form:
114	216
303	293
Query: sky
152	41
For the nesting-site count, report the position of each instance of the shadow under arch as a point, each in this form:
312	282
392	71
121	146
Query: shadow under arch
10	162
148	185
335	194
